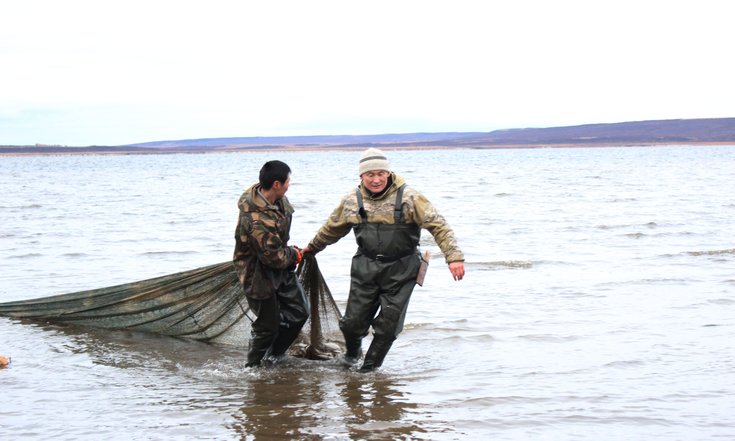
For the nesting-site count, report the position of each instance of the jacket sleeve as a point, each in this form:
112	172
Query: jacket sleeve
334	229
261	234
427	217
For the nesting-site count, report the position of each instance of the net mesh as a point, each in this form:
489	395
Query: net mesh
320	337
206	304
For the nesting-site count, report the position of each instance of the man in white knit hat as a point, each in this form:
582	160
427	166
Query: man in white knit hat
387	218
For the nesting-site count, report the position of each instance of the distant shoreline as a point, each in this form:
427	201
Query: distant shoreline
674	132
101	151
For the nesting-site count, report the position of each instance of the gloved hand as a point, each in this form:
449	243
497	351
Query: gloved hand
299	257
299	254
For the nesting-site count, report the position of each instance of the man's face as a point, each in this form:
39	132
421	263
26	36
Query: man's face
281	188
375	180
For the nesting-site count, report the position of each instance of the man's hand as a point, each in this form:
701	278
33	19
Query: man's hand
306	250
299	254
457	270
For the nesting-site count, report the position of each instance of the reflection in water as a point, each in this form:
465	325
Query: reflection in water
124	348
299	399
307	402
377	409
279	405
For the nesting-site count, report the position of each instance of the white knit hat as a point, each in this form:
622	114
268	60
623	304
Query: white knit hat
373	159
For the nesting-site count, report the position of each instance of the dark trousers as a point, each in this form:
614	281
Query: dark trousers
279	320
379	296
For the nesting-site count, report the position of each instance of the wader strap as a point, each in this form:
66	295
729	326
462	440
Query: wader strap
361	205
397	210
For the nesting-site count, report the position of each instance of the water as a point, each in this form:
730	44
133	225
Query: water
599	300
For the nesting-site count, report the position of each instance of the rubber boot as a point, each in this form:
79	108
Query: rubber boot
376	354
259	345
255	355
283	341
353	352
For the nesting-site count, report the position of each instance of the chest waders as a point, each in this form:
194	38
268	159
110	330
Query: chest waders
279	319
383	276
280	316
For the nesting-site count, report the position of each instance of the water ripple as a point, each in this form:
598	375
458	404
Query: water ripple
712	252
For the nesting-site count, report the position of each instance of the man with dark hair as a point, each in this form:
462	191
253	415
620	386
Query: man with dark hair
387	217
265	264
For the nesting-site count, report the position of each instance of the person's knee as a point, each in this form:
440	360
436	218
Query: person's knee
301	318
388	324
352	327
386	333
294	305
295	314
265	329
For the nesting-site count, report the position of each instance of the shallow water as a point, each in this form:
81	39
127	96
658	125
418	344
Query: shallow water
598	302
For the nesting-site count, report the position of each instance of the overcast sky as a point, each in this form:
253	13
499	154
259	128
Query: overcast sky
114	72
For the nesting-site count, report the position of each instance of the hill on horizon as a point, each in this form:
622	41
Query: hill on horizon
313	140
712	130
673	131
645	132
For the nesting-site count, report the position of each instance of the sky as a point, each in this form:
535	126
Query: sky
115	72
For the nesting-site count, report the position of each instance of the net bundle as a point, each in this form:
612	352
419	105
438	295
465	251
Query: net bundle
320	337
206	304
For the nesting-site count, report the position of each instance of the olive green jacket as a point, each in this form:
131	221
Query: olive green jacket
416	209
261	251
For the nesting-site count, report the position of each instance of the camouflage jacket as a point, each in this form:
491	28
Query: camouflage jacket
416	209
261	251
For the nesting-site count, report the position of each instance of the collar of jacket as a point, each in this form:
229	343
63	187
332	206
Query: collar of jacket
252	200
261	198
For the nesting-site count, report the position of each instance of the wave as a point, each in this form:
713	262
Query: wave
164	253
513	264
635	235
615	227
549	337
20	207
624	363
25	256
427	240
453	324
712	252
674	234
645	281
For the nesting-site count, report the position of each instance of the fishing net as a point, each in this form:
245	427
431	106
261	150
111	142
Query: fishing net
320	337
206	304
